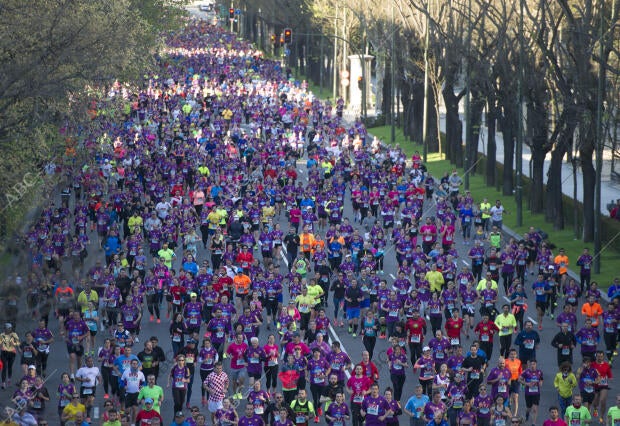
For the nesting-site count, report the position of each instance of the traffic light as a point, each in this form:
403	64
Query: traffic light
281	39
231	13
288	35
273	39
360	82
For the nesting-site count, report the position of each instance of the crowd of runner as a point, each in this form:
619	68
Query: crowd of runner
214	203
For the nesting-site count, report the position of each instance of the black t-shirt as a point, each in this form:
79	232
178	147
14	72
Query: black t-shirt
292	242
353	293
476	363
338	287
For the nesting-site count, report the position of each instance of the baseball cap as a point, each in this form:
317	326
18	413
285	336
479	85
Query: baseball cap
193	295
178	414
426	348
148	401
32	367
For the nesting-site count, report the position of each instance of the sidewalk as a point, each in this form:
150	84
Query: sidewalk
610	191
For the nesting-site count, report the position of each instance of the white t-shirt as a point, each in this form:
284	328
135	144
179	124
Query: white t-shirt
89	373
496	213
133	379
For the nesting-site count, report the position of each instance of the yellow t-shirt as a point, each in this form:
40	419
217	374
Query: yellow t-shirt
485	207
132	222
482	284
268	212
83	299
71	411
435	280
506	324
316	291
305	303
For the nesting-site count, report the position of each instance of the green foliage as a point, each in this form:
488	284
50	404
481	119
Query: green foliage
52	54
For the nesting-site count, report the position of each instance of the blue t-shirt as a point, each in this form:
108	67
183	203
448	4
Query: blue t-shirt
416	405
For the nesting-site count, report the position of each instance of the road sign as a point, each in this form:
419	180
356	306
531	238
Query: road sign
344	74
344	81
237	11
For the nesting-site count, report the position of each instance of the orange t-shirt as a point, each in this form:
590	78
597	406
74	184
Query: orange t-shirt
563	262
592	311
515	368
242	283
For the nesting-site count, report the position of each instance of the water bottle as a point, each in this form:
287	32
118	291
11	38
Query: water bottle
96	412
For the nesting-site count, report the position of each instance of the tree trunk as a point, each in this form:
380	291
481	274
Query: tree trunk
431	133
537	120
416	113
586	151
476	107
554	209
491	163
454	126
509	125
536	192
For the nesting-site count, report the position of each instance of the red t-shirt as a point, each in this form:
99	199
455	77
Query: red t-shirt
453	327
604	370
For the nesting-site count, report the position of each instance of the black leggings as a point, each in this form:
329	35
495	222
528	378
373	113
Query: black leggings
106	375
289	396
42	362
435	323
369	344
8	358
317	391
178	396
114	387
112	315
416	351
305	319
356	415
190	385
398	381
152	302
610	344
427	387
271	375
272	308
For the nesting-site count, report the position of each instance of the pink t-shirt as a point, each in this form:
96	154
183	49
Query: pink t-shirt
358	385
558	422
236	352
272	355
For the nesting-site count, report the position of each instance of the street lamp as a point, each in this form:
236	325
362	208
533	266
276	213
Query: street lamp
519	147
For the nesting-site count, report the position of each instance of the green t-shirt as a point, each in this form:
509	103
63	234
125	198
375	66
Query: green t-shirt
168	255
577	416
614	414
155	393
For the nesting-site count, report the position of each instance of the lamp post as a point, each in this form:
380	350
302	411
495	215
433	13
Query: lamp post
392	83
599	144
519	147
468	135
335	82
425	110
